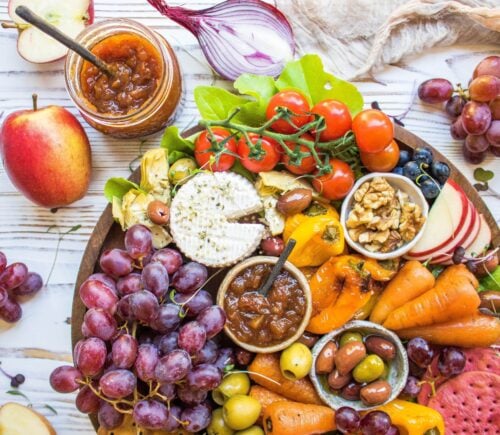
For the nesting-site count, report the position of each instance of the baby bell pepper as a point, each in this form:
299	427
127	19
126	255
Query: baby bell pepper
413	419
316	209
318	237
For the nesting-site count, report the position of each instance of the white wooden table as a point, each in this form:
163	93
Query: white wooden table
41	340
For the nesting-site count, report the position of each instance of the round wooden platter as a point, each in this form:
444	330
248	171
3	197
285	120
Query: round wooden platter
108	234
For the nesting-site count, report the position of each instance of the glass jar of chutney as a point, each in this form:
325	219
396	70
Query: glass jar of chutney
143	92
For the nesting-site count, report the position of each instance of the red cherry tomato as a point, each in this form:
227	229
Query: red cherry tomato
296	103
338	119
218	156
336	184
264	159
373	130
383	161
307	164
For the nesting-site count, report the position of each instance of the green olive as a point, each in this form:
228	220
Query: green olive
235	383
254	430
369	369
240	412
217	425
349	337
296	361
181	169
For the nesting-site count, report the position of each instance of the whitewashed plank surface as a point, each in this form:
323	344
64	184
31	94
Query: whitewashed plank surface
41	339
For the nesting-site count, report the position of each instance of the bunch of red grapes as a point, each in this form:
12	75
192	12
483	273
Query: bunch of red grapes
475	111
16	282
149	350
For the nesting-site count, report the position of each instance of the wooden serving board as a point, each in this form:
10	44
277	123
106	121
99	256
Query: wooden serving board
108	234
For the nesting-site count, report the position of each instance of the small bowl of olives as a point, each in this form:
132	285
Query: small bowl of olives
361	365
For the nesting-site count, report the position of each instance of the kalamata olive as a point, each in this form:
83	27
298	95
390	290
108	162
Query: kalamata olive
308	339
158	212
490	300
375	393
325	362
294	201
272	246
488	265
381	347
243	357
336	381
351	391
348	356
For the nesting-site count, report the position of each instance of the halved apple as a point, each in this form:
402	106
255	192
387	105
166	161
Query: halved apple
16	419
70	16
482	240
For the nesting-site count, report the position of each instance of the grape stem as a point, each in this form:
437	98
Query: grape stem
231	372
114	403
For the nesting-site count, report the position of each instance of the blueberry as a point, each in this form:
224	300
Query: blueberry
430	189
421	178
423	155
440	171
412	170
404	157
398	170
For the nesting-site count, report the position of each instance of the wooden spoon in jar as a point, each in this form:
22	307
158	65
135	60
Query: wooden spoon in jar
44	26
277	267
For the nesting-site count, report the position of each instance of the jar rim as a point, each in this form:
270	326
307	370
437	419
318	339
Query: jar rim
92	35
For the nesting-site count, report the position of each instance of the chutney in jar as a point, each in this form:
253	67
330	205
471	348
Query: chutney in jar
260	320
136	67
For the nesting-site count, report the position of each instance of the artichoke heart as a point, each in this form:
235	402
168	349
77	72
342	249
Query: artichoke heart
275	182
135	208
154	174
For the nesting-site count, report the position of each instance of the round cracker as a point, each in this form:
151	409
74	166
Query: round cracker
483	360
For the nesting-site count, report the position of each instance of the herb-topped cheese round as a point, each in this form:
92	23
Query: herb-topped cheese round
204	218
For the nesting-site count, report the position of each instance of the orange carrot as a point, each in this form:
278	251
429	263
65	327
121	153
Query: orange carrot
410	282
285	418
452	297
455	270
265	371
265	398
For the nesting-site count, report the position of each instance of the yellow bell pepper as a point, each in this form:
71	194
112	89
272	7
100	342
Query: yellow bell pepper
318	238
316	209
413	419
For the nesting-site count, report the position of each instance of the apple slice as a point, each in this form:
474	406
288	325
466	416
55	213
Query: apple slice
446	217
17	419
482	241
70	17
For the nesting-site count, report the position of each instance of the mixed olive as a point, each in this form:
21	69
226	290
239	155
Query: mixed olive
356	367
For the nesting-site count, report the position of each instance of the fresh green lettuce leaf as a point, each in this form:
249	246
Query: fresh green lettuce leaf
117	187
490	282
177	147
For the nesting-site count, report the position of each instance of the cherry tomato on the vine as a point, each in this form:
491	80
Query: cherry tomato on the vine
307	164
383	161
338	119
337	183
262	156
373	130
296	103
216	157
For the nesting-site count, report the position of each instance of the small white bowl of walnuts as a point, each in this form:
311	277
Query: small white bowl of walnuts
384	215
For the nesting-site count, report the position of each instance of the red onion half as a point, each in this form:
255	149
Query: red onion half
238	36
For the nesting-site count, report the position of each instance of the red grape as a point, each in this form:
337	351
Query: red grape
194	304
117	384
64	379
375	423
435	90
393	430
11	311
204	377
173	367
493	134
476	117
484	88
96	294
116	262
208	354
128	284
495	108
105	279
124	351
174	419
476	144
419	351
4	296
488	66
144	306
13	275
138	241
495	150
150	414
86	401
90	356
168	342
474	158
225	357
272	246
412	387
3	261
155	279
32	284
192	337
451	361
347	419
168	391
99	323
190	277
457	130
167	319
197	418
212	319
455	105
169	258
146	361
108	417
190	396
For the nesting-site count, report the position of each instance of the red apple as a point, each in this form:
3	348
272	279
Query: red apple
69	16
46	154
